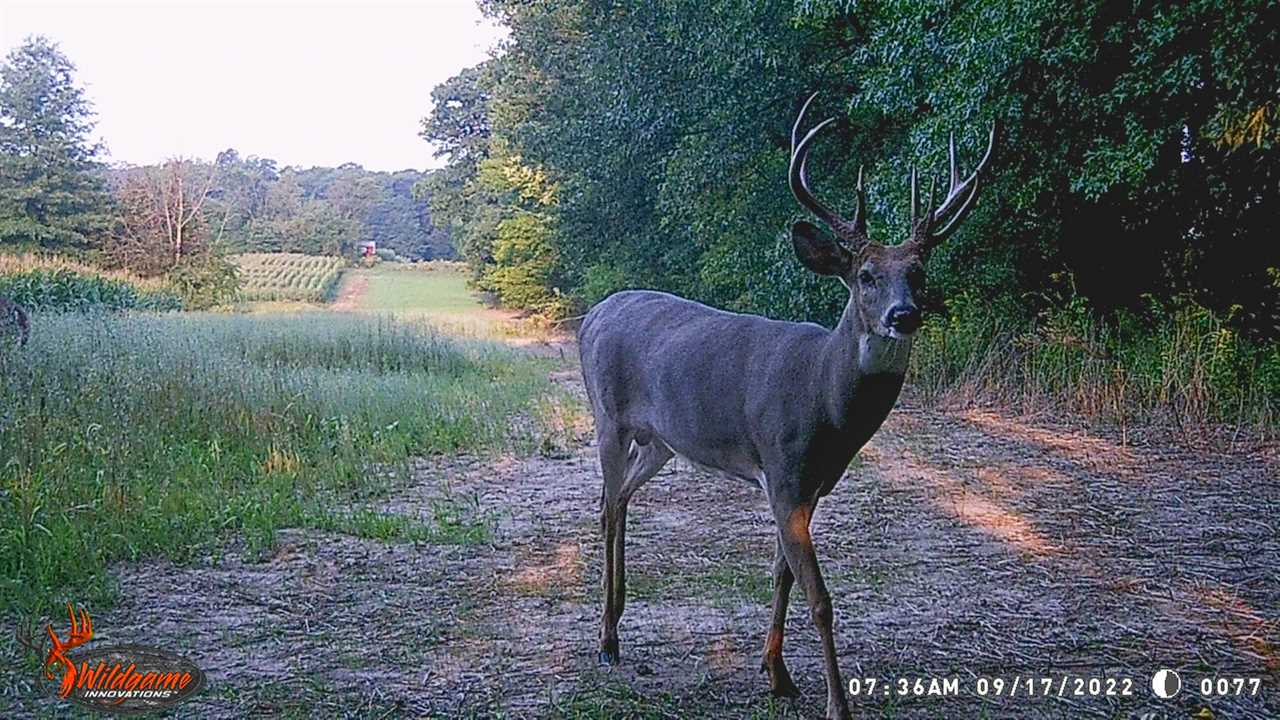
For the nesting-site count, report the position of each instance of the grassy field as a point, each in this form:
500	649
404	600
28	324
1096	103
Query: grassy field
141	435
288	276
435	292
439	291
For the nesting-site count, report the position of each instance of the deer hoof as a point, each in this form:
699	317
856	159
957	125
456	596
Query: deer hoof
838	712
609	654
780	684
780	680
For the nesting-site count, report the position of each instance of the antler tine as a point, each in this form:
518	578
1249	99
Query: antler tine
915	203
86	623
960	195
951	157
795	128
860	210
853	232
27	639
959	190
964	210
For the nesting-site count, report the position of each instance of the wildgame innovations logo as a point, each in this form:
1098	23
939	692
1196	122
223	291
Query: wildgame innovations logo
124	679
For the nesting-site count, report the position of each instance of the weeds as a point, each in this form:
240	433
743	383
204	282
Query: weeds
1182	366
130	436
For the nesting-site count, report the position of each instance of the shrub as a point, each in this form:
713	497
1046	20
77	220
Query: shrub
206	281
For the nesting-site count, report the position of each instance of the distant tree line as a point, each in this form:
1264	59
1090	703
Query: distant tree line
613	145
181	217
322	211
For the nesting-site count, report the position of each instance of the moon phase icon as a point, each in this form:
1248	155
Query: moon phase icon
1166	683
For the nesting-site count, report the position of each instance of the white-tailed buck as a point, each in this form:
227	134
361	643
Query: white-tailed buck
14	321
783	405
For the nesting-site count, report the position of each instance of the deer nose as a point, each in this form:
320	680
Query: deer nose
904	319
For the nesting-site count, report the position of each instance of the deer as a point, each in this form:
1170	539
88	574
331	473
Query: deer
14	321
782	405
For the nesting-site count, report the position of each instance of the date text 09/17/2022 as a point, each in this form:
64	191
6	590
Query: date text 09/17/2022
1028	686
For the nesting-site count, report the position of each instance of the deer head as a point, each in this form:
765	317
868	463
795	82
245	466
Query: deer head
884	281
81	632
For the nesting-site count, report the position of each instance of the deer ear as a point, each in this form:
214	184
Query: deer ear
818	252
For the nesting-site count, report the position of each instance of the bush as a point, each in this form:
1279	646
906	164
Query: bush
206	281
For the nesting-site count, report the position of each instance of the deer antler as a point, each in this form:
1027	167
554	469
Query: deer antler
853	232
26	637
81	632
959	199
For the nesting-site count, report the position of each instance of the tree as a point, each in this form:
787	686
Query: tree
1140	162
50	194
162	220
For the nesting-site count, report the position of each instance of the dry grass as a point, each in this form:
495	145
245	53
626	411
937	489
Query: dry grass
26	262
1183	371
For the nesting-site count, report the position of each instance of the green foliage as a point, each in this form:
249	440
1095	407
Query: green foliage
321	210
50	195
59	290
459	126
522	255
1135	144
127	436
206	280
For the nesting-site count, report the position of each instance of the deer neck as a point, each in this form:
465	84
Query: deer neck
861	369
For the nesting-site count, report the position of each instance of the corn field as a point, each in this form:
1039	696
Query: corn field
288	276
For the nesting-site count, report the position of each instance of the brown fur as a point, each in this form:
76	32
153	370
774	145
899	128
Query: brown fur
14	321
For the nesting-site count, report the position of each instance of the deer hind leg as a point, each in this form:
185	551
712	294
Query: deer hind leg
626	465
780	683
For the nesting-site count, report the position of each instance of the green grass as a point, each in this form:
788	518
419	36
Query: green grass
438	294
130	436
436	291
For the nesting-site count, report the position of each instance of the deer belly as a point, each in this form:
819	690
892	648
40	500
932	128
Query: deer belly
735	468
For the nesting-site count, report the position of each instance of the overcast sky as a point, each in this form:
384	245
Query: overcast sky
306	83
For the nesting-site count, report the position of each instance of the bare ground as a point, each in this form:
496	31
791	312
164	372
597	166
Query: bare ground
963	544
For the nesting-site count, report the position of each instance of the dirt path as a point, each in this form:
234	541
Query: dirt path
350	292
964	544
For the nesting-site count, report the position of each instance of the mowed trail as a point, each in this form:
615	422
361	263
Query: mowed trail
964	544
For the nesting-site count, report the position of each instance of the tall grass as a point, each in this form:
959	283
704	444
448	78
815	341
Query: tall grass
27	262
136	435
49	282
1182	367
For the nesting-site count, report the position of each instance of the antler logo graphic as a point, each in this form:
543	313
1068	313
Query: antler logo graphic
81	632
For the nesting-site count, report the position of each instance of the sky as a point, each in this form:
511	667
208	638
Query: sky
305	83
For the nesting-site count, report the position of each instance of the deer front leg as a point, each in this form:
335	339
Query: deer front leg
780	683
797	545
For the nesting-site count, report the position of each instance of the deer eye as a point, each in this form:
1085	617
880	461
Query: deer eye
866	278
